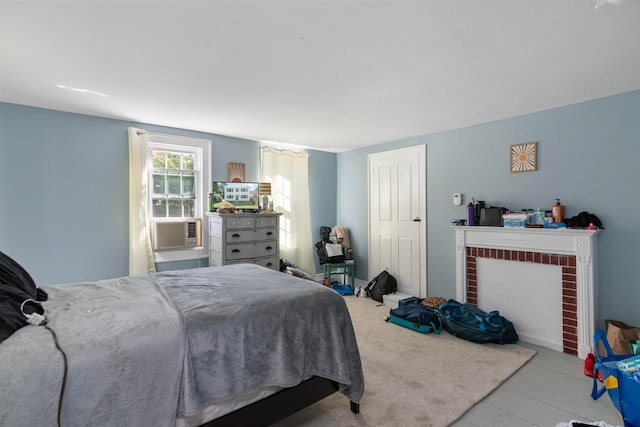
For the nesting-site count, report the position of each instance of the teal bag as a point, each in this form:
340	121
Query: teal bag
623	387
468	322
413	315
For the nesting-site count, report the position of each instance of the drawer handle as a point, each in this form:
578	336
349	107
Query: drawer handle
269	233
268	248
235	235
235	251
269	264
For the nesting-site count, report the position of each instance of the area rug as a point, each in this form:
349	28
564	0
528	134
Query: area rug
413	379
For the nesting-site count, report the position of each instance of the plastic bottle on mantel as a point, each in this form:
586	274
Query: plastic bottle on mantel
471	212
557	212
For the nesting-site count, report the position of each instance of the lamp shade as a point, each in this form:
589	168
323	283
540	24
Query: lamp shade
265	188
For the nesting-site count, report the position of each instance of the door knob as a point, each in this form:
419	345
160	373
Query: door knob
416	219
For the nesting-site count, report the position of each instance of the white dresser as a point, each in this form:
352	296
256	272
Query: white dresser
244	238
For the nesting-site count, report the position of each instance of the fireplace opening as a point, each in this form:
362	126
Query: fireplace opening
567	263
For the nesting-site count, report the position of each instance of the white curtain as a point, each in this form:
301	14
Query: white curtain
140	252
288	173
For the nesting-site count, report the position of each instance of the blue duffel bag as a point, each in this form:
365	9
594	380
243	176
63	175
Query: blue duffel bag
413	315
468	322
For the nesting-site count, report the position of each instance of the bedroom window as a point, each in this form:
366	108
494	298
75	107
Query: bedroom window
178	177
177	185
169	179
173	183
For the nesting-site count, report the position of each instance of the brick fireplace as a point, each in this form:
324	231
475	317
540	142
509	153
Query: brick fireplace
569	292
571	253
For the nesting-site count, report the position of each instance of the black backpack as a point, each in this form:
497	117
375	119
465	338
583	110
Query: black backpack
321	250
18	295
382	284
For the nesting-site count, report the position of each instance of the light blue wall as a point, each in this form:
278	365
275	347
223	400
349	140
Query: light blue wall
64	191
588	156
322	196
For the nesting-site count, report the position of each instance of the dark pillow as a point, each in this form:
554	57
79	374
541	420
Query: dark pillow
16	286
582	220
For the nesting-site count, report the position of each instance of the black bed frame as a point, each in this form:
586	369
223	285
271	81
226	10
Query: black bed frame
280	405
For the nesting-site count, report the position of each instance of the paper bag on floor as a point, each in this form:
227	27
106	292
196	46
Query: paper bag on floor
619	334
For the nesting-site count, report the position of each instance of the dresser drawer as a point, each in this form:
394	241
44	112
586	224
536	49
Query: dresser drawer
241	236
239	222
266	233
251	250
271	262
266	221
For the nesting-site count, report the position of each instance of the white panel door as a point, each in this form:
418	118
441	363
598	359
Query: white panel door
397	223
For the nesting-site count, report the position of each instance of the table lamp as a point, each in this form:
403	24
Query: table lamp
265	192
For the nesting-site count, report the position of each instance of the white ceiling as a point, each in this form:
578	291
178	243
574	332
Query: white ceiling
326	74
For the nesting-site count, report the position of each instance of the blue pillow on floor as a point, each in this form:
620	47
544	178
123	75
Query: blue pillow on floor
342	289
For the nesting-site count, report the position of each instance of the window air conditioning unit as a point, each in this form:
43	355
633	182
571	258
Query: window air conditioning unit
177	234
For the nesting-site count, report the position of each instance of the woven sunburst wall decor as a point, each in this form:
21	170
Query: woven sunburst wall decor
523	157
236	172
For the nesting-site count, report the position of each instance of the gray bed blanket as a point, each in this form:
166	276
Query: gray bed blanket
250	327
145	349
124	341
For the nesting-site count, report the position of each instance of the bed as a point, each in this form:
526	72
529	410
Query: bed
232	345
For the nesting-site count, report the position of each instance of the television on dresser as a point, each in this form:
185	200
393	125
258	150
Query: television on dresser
242	195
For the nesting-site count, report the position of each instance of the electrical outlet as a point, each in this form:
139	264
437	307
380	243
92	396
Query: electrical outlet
457	199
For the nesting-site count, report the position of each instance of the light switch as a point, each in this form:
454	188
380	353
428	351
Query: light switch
457	199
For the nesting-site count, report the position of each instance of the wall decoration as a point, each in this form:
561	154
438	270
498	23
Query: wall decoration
236	172
523	157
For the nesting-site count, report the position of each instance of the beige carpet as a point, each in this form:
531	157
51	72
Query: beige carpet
413	379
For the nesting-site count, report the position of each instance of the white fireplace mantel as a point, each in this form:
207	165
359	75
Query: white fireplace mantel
536	241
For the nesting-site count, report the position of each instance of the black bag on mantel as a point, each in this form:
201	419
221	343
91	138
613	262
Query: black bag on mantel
383	284
468	322
582	220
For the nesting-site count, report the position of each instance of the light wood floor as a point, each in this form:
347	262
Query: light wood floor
548	390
